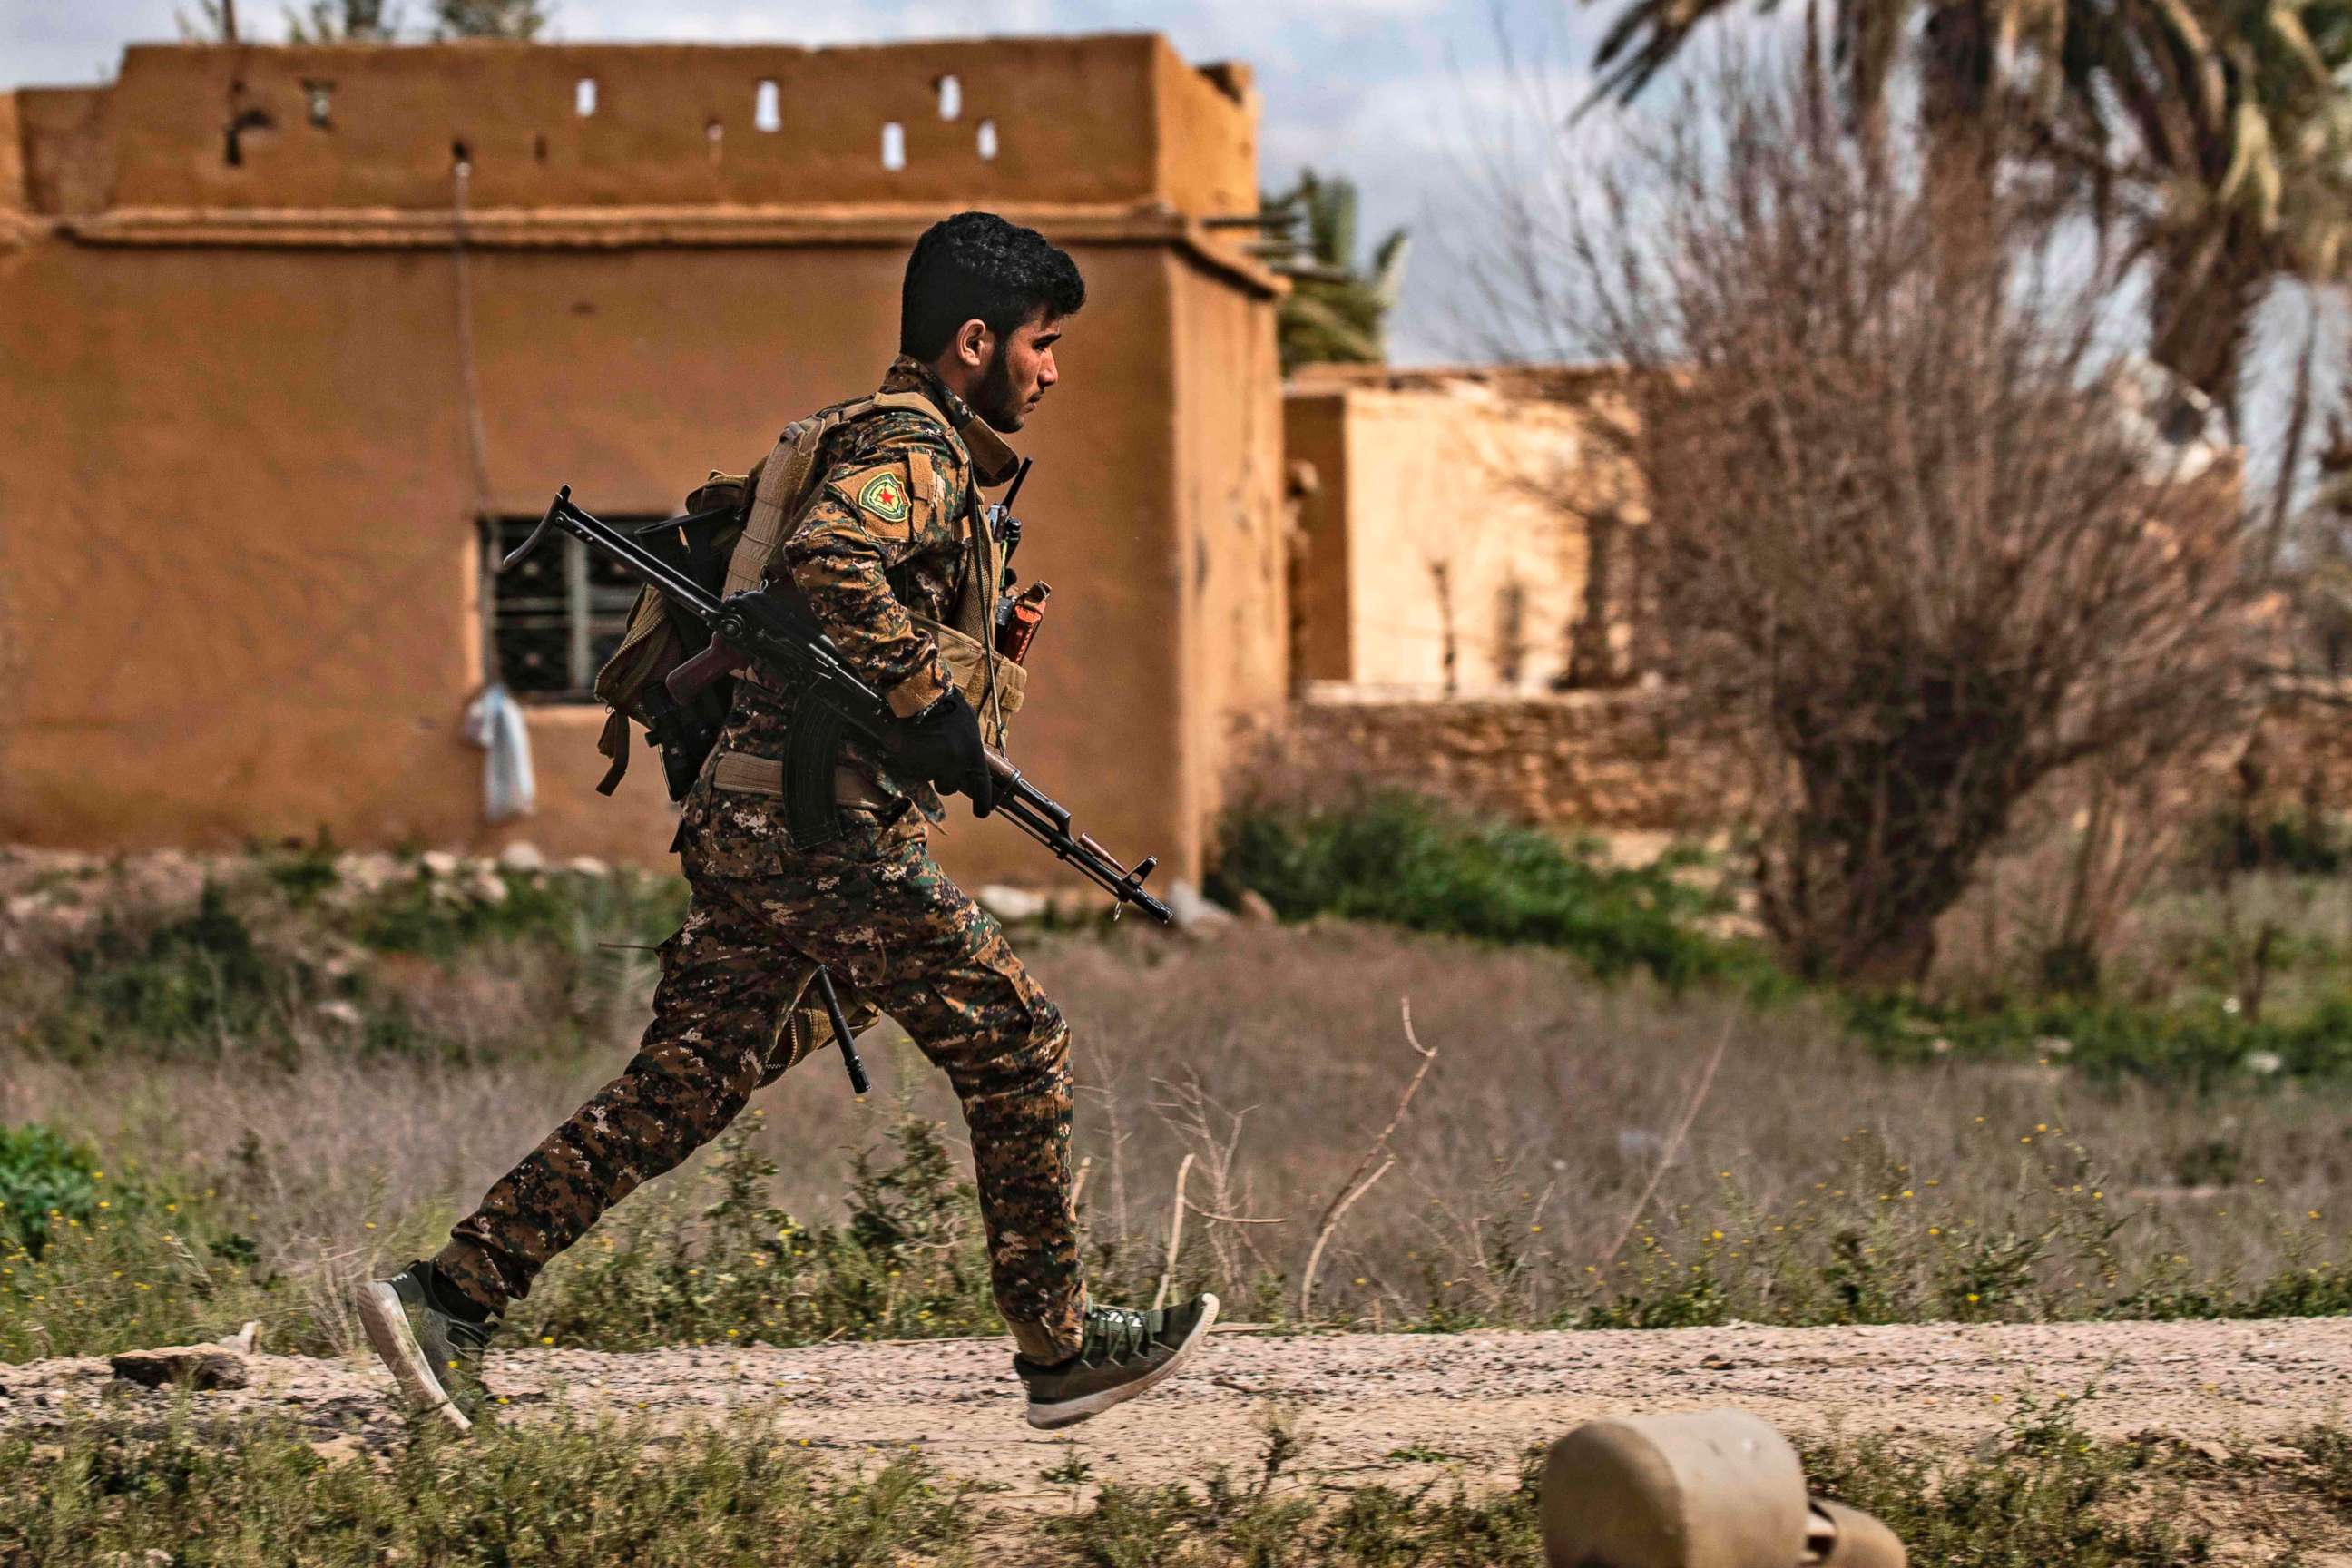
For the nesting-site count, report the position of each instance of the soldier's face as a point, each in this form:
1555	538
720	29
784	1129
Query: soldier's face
1019	373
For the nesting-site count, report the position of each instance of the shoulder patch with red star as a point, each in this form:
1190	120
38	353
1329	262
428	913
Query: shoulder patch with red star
885	495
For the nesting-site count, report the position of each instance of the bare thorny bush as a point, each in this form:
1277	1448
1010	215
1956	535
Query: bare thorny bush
1910	523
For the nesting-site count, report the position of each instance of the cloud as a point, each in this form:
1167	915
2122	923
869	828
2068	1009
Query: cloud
1394	93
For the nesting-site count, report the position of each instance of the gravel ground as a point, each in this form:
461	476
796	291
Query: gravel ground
1464	1403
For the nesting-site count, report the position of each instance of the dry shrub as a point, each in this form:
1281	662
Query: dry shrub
1909	524
1275	1062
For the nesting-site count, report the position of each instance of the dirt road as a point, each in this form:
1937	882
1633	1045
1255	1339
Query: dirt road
1399	1405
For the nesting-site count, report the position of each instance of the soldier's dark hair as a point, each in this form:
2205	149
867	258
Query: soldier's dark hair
977	265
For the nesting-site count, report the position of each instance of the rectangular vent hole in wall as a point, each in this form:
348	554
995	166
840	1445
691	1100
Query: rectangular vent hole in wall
950	98
894	145
767	108
321	97
987	138
583	96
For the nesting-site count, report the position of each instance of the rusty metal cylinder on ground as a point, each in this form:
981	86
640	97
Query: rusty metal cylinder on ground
1714	1489
1843	1537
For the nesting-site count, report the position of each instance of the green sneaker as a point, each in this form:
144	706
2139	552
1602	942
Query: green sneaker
1124	1353
435	1356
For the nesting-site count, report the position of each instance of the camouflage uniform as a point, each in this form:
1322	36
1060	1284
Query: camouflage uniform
872	906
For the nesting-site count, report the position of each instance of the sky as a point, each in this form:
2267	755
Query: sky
1400	95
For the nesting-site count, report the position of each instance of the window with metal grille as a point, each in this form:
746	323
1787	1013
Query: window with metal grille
558	614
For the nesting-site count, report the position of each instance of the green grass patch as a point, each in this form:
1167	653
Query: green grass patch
554	1493
95	1259
46	1180
1404	860
723	1264
281	952
105	1490
2198	1043
2052	1495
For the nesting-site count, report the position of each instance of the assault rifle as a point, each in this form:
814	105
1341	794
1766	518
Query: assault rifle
762	629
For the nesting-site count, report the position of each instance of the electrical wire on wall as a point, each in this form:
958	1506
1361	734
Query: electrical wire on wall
494	720
469	391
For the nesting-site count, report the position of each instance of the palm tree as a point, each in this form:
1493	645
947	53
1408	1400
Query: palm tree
344	22
517	19
2235	146
2232	142
1334	312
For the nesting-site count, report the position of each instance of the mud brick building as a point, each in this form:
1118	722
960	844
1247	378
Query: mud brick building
1461	530
265	415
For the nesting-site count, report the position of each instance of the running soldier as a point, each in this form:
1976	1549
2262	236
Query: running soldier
883	554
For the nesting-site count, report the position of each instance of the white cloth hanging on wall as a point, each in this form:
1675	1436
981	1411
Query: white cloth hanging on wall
495	723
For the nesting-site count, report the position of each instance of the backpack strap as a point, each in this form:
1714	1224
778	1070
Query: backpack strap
791	474
613	741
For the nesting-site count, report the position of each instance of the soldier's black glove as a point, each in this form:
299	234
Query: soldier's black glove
942	746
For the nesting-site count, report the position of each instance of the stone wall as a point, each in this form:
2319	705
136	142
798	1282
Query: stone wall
1618	761
1642	760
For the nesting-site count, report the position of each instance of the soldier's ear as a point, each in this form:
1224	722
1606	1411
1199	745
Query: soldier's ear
973	342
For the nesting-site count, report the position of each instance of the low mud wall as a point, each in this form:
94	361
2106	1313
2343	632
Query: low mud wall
1649	760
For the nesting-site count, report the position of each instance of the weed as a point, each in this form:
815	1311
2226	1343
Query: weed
560	1493
907	1263
45	1180
2201	1044
2052	1494
1405	860
190	984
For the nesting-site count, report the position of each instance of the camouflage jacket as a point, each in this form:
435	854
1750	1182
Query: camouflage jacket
884	535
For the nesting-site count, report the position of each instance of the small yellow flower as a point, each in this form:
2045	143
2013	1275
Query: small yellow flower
1972	1296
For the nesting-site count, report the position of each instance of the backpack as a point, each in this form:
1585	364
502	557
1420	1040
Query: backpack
731	525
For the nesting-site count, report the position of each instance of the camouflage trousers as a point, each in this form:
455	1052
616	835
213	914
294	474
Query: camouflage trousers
875	908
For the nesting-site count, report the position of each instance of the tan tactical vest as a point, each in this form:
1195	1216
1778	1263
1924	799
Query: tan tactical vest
787	481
